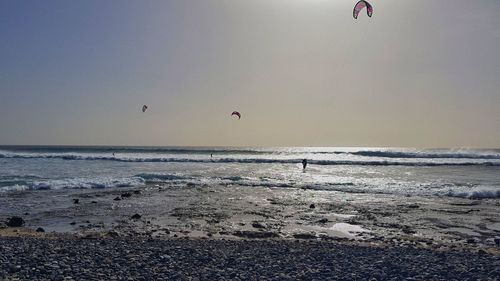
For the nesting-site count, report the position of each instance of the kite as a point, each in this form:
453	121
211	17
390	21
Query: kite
144	107
237	114
360	5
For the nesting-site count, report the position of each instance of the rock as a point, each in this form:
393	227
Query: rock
136	216
40	229
312	206
255	234
76	201
14	269
137	192
113	234
126	195
325	220
259	225
271	200
304	236
165	257
406	229
117	199
15	222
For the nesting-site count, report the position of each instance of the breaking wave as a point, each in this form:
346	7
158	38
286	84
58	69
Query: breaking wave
269	160
476	193
428	155
76	183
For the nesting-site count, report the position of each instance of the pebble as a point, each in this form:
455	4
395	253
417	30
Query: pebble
211	259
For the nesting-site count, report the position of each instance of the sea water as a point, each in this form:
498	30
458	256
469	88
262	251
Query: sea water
410	172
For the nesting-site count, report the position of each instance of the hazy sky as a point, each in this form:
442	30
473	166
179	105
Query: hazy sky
420	73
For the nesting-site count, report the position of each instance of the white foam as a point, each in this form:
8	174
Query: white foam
477	193
15	187
77	183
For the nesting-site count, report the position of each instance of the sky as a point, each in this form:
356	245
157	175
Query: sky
419	73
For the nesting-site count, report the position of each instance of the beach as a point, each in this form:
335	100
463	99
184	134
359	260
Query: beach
213	259
203	233
203	218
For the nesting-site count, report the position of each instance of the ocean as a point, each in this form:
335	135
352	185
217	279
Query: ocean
463	173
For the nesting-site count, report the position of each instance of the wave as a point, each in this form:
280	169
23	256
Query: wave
179	180
476	193
427	155
75	183
82	157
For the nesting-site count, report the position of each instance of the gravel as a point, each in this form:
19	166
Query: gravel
210	259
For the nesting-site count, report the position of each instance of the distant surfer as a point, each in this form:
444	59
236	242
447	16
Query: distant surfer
304	164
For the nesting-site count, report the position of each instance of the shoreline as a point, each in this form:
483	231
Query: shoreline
234	212
27	233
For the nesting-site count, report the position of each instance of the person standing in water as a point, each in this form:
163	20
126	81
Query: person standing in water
304	164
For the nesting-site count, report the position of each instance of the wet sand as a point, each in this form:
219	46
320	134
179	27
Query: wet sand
234	212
